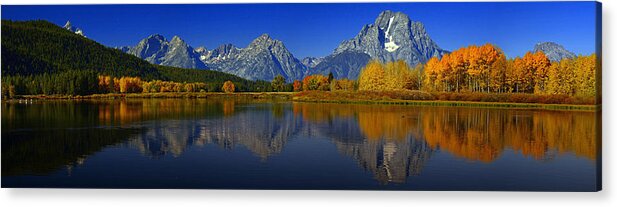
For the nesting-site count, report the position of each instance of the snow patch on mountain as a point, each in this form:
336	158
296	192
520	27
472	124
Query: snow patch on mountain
390	46
75	30
157	50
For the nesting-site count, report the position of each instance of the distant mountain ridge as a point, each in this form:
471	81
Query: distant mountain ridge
263	59
157	50
393	36
555	52
311	61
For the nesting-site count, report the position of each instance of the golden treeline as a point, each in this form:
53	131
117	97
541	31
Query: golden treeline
108	84
397	75
323	83
574	76
486	69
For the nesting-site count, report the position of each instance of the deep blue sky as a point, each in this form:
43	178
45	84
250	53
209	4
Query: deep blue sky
316	29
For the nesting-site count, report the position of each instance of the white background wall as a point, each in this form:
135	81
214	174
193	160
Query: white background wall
180	198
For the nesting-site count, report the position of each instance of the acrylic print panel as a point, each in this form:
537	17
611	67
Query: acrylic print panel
359	96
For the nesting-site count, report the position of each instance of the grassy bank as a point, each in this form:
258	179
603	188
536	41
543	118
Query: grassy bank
419	98
414	98
205	95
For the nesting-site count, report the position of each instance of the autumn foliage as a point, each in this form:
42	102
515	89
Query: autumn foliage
342	85
486	69
316	82
473	73
575	77
297	85
229	87
108	84
376	76
372	77
130	85
471	68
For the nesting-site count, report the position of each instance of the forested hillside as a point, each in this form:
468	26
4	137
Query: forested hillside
39	57
36	47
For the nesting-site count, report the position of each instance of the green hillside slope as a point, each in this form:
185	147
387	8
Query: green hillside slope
41	57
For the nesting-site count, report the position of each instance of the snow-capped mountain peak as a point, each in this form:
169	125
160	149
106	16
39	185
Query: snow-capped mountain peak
263	59
157	50
69	26
393	36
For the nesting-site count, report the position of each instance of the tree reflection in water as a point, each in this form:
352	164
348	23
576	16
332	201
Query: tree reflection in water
392	142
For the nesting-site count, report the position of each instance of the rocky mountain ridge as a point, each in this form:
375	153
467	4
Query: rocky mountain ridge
554	52
393	36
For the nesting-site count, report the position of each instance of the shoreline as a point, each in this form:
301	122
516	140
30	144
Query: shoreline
420	98
291	96
196	95
470	104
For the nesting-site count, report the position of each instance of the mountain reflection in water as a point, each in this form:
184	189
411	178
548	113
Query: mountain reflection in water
390	142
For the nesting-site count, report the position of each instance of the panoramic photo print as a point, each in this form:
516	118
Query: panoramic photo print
432	96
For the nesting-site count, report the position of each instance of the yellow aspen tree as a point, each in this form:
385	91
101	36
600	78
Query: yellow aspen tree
444	73
585	75
416	78
397	75
430	74
404	75
528	72
510	78
554	78
519	75
540	64
228	87
493	66
372	77
497	74
474	71
458	65
391	76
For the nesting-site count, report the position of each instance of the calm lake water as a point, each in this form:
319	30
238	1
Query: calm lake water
188	143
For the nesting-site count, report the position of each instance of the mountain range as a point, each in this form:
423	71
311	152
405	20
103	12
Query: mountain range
158	50
393	36
263	59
